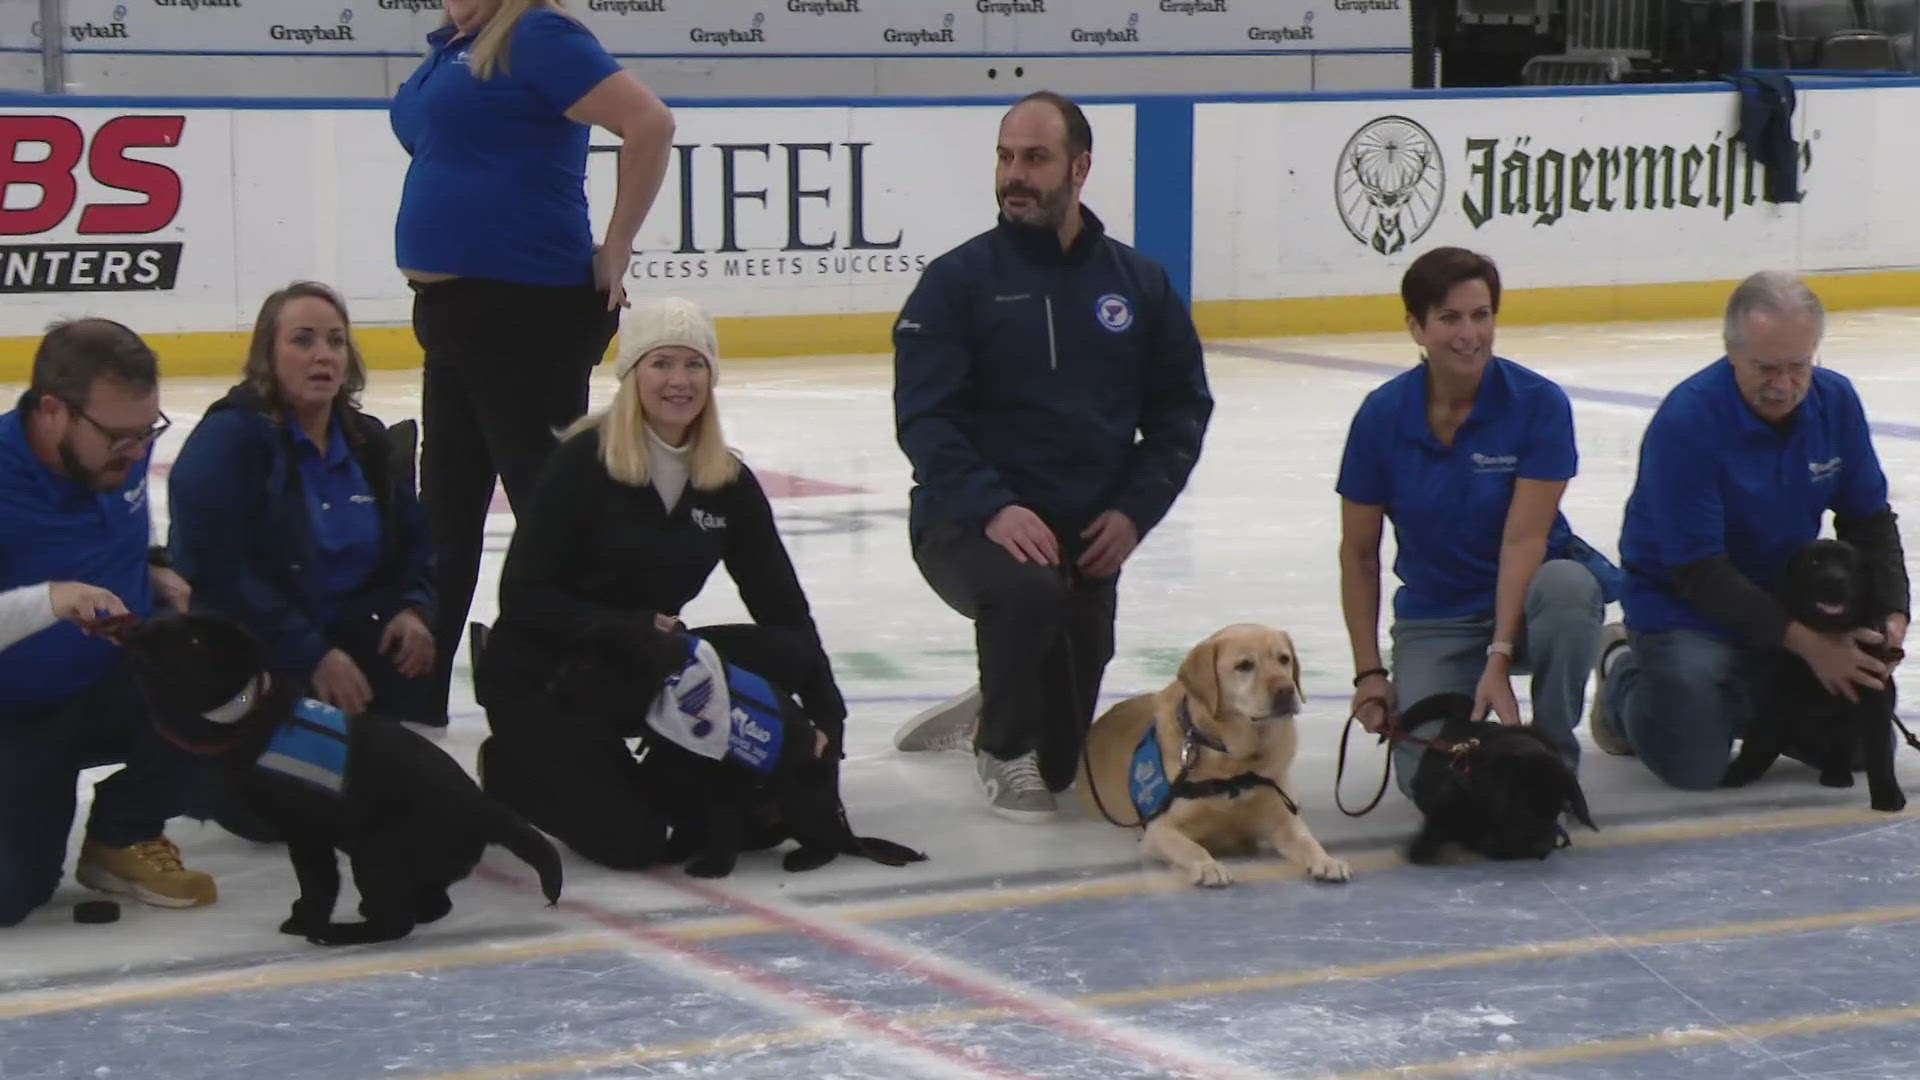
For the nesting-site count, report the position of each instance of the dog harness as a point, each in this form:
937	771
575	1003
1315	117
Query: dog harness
720	711
311	746
1153	793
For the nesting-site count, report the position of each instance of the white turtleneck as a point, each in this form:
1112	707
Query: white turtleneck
667	466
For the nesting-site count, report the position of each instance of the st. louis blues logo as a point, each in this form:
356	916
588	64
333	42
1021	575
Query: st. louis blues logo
1113	312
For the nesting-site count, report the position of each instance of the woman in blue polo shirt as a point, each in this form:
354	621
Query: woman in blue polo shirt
294	512
1467	454
514	304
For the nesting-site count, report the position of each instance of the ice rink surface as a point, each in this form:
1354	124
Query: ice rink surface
1768	932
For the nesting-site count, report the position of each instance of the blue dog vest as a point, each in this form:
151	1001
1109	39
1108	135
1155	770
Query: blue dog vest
311	746
707	692
1147	780
756	732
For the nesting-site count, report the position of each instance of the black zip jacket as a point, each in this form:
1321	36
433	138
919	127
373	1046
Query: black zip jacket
1023	374
593	553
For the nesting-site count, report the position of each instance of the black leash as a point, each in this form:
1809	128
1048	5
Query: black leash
1340	770
1393	732
1904	733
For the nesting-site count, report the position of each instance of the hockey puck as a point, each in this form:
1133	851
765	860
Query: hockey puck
96	911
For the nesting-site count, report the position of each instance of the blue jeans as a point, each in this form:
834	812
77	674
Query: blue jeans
1559	643
1681	698
41	755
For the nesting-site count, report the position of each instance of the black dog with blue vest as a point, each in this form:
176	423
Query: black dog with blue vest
407	816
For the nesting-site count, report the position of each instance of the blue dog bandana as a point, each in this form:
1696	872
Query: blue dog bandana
311	746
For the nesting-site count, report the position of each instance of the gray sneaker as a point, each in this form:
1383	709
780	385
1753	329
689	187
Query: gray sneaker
1014	788
947	726
1606	734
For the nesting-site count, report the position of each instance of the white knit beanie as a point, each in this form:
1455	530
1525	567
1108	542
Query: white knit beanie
669	320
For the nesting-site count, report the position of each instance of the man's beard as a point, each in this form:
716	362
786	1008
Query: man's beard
1048	210
91	479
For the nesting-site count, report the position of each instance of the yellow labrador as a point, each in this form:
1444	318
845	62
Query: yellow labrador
1214	776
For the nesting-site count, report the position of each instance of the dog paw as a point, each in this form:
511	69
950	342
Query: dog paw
360	933
710	866
1210	875
1892	804
297	926
1328	868
432	907
1836	779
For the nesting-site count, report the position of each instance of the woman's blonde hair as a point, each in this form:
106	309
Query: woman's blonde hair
490	45
258	370
623	439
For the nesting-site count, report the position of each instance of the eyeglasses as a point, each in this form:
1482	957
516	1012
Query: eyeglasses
120	442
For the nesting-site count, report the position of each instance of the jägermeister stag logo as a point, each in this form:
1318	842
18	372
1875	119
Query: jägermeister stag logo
1388	183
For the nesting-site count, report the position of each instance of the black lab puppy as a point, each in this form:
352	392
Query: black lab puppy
409	819
1500	793
1826	589
742	779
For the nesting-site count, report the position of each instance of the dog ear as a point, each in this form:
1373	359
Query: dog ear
1200	675
1577	801
1293	663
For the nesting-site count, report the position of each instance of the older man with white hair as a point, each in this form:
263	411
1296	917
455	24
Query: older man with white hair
1738	468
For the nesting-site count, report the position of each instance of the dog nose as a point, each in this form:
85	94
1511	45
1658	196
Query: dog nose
1284	699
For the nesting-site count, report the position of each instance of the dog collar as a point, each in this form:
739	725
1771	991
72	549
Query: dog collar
1192	732
233	710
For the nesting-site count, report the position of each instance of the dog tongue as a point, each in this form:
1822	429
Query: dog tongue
1828	608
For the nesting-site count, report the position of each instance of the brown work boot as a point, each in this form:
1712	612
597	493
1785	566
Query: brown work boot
149	871
1601	723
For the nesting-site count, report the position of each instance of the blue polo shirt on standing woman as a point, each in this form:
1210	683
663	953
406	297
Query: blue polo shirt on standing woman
496	188
1448	504
1715	479
52	529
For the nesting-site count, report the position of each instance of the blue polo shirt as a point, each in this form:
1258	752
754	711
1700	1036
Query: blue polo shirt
1715	479
52	529
1448	504
497	185
344	514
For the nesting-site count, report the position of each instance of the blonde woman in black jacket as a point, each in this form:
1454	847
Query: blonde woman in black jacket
633	512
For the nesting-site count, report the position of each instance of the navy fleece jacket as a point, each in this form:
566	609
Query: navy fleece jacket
241	535
1069	382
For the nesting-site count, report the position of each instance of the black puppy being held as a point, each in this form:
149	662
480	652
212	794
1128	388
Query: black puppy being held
408	817
1495	790
1826	589
729	756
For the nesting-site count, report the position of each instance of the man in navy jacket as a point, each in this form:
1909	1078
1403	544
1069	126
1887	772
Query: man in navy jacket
1739	466
1026	362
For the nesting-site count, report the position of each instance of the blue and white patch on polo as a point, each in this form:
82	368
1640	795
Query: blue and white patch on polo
1113	311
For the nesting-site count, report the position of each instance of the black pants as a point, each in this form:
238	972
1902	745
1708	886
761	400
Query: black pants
571	774
357	631
506	366
1044	636
41	755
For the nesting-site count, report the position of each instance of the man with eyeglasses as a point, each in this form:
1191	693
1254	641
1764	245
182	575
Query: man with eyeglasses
73	508
1738	468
